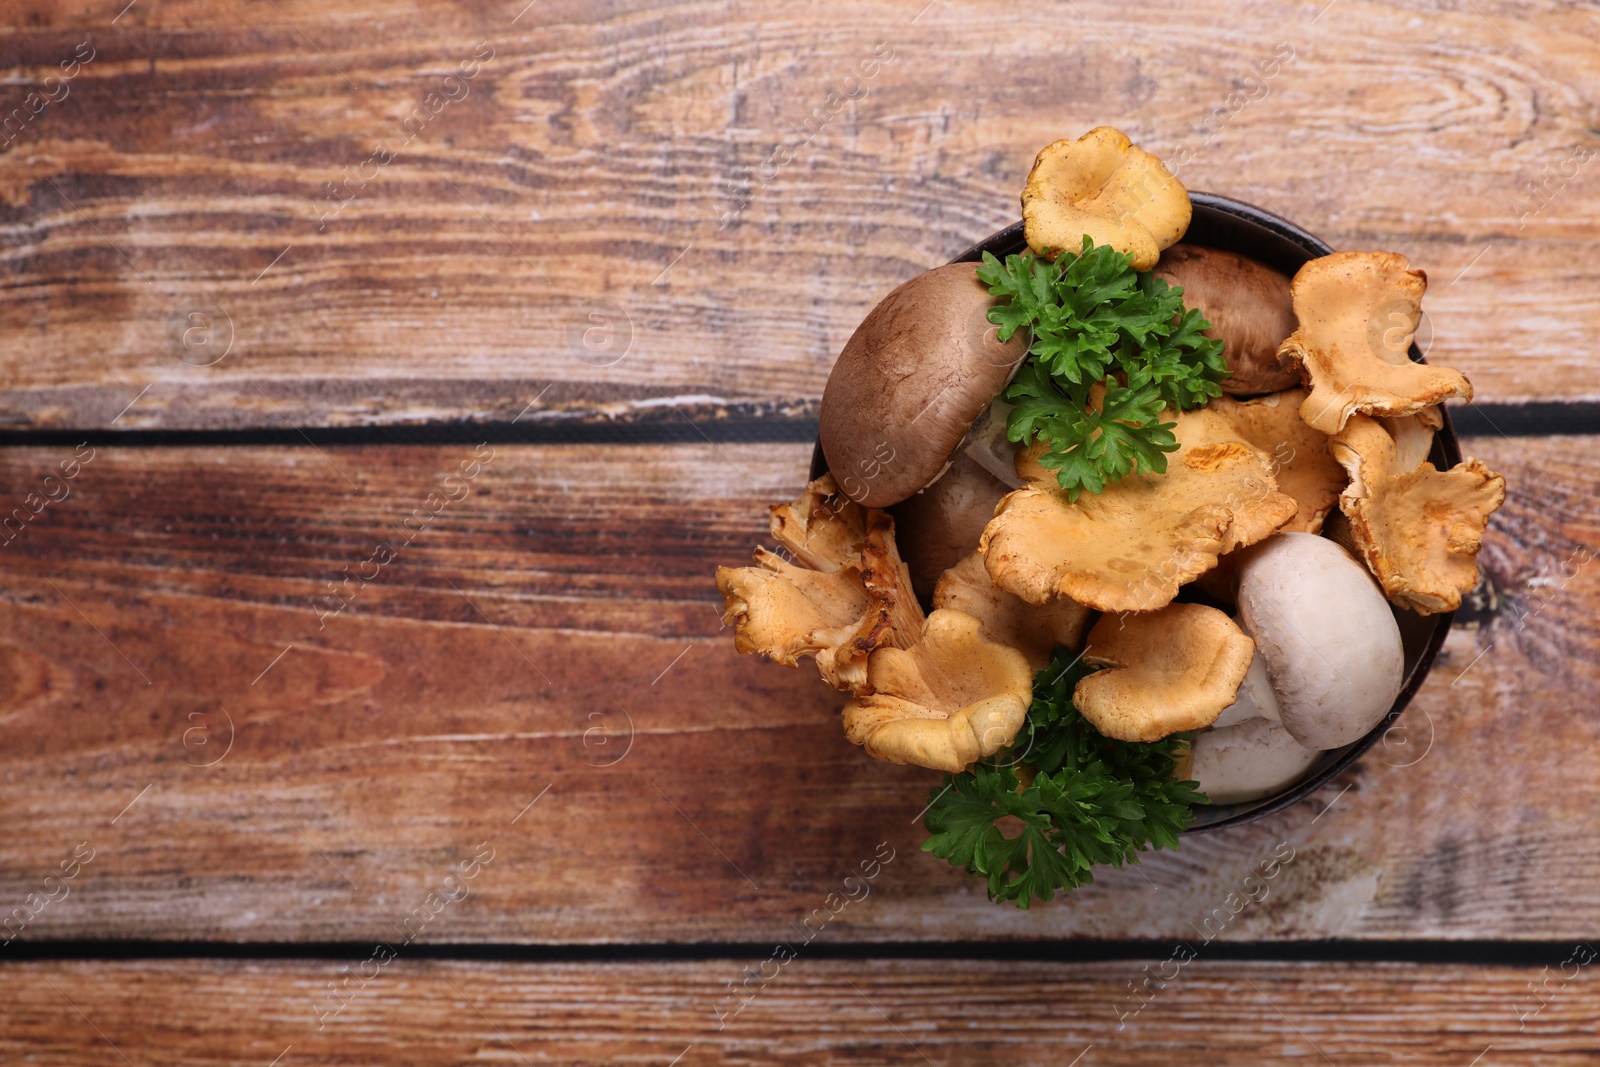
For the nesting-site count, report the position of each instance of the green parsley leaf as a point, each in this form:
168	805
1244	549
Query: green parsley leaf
1092	318
1088	800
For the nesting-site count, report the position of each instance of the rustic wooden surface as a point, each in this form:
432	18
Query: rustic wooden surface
591	164
557	629
815	1012
588	237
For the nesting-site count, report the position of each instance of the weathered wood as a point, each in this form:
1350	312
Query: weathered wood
557	629
594	227
811	1011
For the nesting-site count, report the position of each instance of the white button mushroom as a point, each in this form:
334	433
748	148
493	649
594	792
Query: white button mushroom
1329	642
1249	761
1254	700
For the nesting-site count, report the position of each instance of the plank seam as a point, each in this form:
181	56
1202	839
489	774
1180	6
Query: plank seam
1581	418
1466	953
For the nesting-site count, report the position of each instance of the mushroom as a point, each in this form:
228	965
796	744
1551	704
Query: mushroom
1255	699
1251	760
952	698
858	598
918	370
1413	436
1358	312
939	526
1166	671
1420	529
784	612
1132	546
824	530
1332	650
1104	187
1033	629
1249	308
1301	462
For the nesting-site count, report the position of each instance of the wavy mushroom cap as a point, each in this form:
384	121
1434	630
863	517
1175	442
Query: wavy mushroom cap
1035	630
1418	529
824	529
1132	546
784	610
949	700
1358	312
918	370
1249	308
1166	671
1301	462
1105	187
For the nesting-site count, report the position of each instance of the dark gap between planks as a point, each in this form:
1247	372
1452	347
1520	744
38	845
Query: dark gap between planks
1544	419
1471	953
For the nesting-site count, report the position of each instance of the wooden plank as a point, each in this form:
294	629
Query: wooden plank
561	235
810	1011
556	629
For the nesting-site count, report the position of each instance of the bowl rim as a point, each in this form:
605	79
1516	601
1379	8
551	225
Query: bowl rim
1224	216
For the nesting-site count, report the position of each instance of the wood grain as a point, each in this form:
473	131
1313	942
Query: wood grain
817	1012
557	629
594	229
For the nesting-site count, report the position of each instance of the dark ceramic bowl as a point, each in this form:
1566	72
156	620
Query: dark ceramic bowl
1235	226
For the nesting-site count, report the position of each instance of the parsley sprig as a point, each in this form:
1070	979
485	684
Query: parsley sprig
1093	318
1087	800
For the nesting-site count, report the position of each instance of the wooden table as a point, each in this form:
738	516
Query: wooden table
542	298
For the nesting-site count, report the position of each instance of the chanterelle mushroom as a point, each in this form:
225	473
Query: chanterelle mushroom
1413	436
951	699
1033	629
1419	530
824	529
1130	547
1301	462
1358	312
857	600
1107	188
1167	671
784	612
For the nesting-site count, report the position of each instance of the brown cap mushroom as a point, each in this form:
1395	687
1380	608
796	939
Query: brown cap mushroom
1249	308
918	370
937	527
784	611
949	700
1105	187
1130	547
1358	312
1167	671
1419	530
1301	462
1033	629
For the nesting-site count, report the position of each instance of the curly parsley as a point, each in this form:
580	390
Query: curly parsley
1087	800
1095	319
